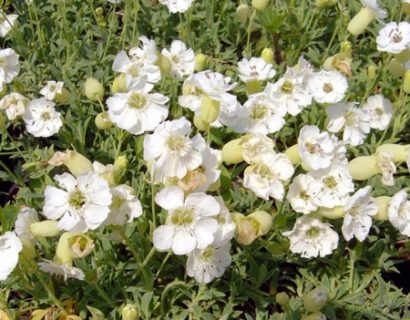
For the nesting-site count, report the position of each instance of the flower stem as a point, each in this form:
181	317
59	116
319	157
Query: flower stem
248	39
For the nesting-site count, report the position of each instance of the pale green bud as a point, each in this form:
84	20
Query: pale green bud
102	121
76	163
201	61
382	208
232	152
403	56
396	68
282	298
164	64
406	8
406	84
129	312
267	55
260	4
80	245
200	124
371	72
264	220
120	164
119	84
209	110
360	21
243	12
46	228
333	213
93	89
293	154
253	86
63	97
398	151
362	168
64	254
315	299
246	229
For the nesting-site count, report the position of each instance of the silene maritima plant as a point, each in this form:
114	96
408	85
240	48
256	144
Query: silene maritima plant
204	159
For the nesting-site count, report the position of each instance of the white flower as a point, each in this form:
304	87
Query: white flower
146	52
7	22
136	69
291	92
317	149
82	203
125	206
358	211
61	270
355	122
41	119
399	212
10	247
25	218
260	114
171	150
138	111
175	6
255	69
377	11
393	37
380	111
302	192
327	86
182	59
311	238
51	89
226	227
9	65
14	105
254	145
336	183
209	263
190	223
267	176
386	167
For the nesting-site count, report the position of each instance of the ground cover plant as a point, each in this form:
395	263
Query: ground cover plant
204	159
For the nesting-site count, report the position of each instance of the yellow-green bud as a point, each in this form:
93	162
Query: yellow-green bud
346	48
406	84
232	152
119	84
80	245
93	89
396	68
260	4
382	207
293	154
371	72
406	8
200	124
325	3
315	316
340	62
63	97
243	12
64	254
76	163
362	168
315	299
215	186
2	121
282	298
209	110
334	213
129	312
360	21
264	220
253	86
102	121
403	56
267	55
120	164
164	64
246	229
46	228
201	62
398	151
3	315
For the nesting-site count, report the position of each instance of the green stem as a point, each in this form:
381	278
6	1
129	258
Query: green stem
248	38
52	295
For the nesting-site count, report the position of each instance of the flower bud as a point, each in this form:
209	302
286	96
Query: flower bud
293	154
76	163
80	245
315	316
232	152
201	61
246	229
346	48
102	121
129	312
253	86
209	110
282	298
264	220
340	62
119	84
3	315
382	208
406	84
403	56
260	4
315	299
63	251
267	55
360	21
63	97
399	152
200	124
333	213
243	12
371	72
120	164
362	168
325	3
406	8
46	228
396	68
99	13
215	186
93	89
164	64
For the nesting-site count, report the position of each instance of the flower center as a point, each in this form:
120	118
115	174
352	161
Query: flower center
264	170
133	70
312	147
182	216
259	111
117	201
379	111
176	143
76	199
312	232
304	196
45	116
175	59
327	87
397	38
351	118
330	182
207	254
137	101
287	87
